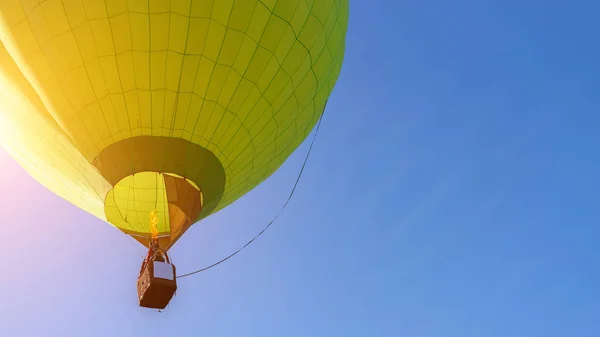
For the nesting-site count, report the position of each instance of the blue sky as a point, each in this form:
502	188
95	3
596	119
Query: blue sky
452	192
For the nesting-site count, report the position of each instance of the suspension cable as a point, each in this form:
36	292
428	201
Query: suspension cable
276	215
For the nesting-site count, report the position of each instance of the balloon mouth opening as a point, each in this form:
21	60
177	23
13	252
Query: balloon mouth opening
154	206
171	158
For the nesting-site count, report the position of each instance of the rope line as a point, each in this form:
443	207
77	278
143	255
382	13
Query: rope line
276	215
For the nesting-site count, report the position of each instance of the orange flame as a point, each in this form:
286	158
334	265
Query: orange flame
154	224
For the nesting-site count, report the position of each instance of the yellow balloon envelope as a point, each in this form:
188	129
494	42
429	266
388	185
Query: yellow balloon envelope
153	114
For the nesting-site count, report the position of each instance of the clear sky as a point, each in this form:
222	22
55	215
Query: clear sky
452	192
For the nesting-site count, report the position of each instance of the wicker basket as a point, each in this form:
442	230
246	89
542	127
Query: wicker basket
156	284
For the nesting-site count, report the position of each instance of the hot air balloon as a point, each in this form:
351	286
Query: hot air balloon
153	114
